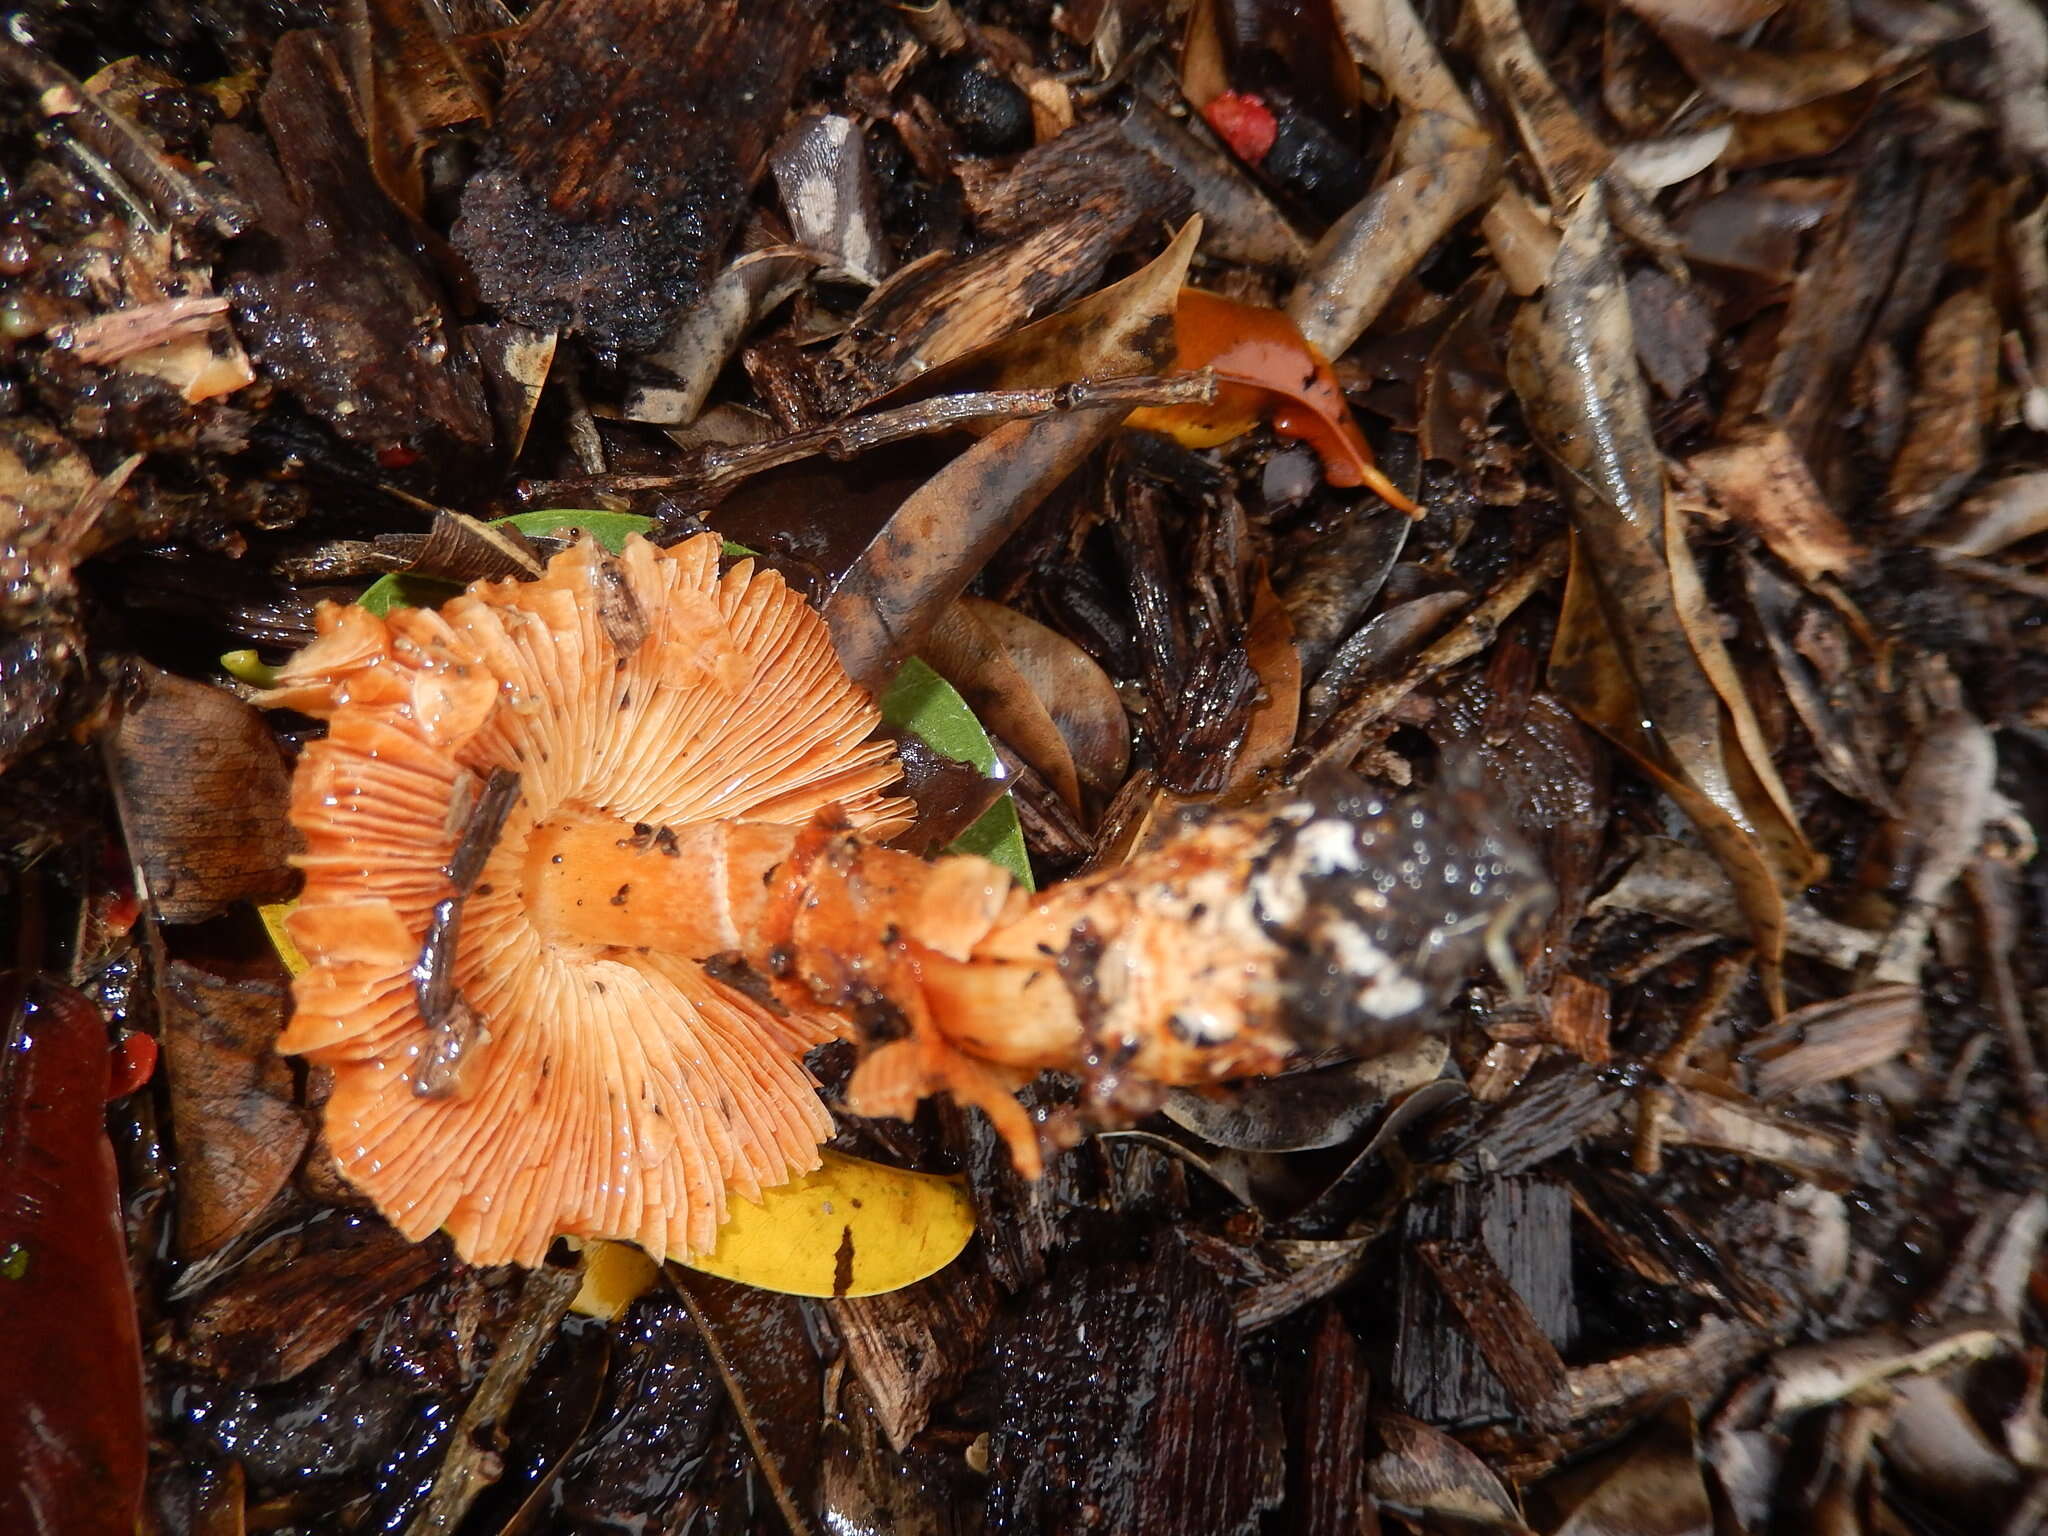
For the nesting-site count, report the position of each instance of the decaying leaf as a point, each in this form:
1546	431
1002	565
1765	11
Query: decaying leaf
202	793
1761	480
1638	652
232	1102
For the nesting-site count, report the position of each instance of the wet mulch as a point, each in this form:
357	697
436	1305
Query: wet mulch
1711	342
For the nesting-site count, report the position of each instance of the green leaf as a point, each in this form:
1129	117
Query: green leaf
401	589
611	529
930	708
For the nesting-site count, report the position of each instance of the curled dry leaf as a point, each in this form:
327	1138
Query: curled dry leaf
1638	652
1387	37
1769	78
1449	168
1265	368
709	332
932	546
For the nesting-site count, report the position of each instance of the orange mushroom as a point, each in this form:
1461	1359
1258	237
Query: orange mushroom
592	860
1265	368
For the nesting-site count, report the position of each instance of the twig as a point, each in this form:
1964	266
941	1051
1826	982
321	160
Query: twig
716	469
1342	732
472	1465
114	142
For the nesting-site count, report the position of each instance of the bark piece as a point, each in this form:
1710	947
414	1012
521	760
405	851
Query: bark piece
630	135
1125	1407
1520	1230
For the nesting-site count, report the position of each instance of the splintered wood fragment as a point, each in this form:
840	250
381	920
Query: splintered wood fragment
1327	1489
1442	1369
629	137
473	1462
1501	1324
914	1347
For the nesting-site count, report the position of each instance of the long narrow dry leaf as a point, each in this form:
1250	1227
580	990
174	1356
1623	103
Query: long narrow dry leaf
1387	37
1450	168
1638	651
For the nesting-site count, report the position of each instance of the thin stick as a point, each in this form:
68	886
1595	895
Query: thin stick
716	469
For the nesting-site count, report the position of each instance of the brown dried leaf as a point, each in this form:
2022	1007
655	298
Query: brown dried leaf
1450	168
928	551
1638	651
967	653
1077	694
1769	78
239	1129
1763	482
1955	384
202	794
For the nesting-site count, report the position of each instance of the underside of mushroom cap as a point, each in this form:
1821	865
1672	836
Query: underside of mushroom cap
599	1091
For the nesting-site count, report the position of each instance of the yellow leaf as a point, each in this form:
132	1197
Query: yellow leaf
850	1228
273	922
615	1275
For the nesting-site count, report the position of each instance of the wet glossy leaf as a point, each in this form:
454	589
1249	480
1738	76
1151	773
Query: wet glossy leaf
1639	653
851	1228
930	708
72	1435
611	529
1267	371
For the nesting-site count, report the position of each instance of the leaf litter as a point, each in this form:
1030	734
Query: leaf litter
1709	340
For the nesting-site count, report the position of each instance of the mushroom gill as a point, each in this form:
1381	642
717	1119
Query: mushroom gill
591	861
569	1086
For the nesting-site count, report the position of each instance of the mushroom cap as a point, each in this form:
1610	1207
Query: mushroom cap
600	1092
